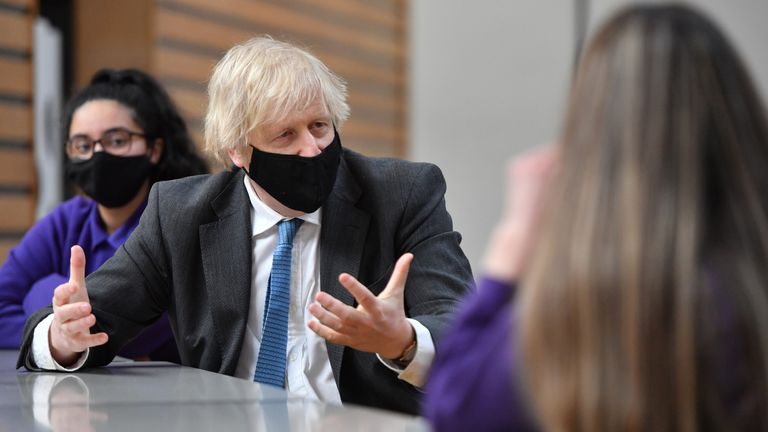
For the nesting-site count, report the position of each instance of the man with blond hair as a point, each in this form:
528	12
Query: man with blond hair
291	269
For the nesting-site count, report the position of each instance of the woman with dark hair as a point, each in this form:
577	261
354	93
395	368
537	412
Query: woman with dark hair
122	134
626	285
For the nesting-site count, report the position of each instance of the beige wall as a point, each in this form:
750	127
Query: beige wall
488	80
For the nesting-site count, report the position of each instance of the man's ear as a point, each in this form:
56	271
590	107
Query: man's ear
157	151
238	157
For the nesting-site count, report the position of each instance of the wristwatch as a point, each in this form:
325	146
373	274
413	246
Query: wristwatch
408	353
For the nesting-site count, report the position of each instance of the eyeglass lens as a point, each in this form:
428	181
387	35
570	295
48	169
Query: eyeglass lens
116	142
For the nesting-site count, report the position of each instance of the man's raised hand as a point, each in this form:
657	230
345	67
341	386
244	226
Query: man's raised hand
70	332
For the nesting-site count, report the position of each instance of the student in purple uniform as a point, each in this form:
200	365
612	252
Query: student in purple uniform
122	133
626	285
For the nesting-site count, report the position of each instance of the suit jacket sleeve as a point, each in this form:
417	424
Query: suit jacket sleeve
407	208
440	274
129	292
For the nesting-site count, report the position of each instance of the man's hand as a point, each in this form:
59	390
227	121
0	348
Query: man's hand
70	334
378	324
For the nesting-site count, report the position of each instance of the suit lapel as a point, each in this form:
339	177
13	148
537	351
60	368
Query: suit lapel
342	238
225	246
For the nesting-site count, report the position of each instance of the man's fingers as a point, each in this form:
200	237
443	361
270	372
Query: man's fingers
77	265
80	325
71	312
360	292
345	313
396	284
327	333
61	295
81	341
326	317
77	273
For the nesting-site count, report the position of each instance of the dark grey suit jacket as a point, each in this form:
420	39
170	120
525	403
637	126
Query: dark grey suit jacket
191	255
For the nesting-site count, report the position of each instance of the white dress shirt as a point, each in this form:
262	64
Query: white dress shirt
308	369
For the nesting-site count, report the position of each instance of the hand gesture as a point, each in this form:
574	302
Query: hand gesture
378	324
72	318
527	179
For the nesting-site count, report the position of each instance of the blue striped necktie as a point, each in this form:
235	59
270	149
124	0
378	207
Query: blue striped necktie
270	367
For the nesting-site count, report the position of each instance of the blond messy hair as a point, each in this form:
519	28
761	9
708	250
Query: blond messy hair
261	81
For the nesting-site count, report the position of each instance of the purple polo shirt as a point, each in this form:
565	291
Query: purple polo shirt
40	263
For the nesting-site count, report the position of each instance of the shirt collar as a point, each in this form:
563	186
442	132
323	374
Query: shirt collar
265	218
99	233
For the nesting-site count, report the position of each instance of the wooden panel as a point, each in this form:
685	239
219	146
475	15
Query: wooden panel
371	148
16	76
191	103
17	168
198	31
370	130
348	67
15	31
214	36
16	164
265	14
192	35
16	212
19	3
364	100
15	122
357	10
115	34
174	63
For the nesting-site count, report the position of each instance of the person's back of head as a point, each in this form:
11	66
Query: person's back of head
153	110
645	301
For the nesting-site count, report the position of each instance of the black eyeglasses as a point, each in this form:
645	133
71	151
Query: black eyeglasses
114	141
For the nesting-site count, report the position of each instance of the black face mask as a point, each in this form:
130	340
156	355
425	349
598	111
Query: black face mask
110	180
299	183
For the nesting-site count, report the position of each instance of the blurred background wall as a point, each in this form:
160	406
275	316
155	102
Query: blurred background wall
489	80
463	84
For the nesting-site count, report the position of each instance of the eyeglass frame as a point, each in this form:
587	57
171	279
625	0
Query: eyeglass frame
68	144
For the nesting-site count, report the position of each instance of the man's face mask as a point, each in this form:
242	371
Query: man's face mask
111	181
299	183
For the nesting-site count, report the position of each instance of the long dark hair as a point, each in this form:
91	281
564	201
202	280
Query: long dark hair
645	306
153	110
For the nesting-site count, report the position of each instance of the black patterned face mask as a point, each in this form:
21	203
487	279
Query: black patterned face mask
111	181
299	183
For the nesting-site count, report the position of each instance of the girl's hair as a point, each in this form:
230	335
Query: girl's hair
153	110
644	305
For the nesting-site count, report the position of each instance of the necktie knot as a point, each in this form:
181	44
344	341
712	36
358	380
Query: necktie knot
287	230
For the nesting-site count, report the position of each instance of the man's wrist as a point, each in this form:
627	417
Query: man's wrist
61	358
409	351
